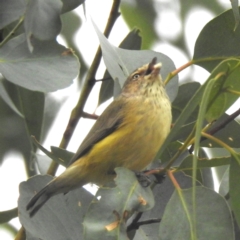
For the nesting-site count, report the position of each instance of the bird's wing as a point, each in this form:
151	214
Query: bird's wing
107	123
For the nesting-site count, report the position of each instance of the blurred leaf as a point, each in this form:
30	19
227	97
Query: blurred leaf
69	5
162	193
216	107
32	106
49	68
131	41
126	61
71	25
185	114
224	184
49	154
60	217
234	188
51	109
170	151
42	20
214	220
203	162
7	99
6	216
185	93
217	40
43	163
229	134
234	4
13	130
11	10
141	14
62	154
138	235
227	75
116	206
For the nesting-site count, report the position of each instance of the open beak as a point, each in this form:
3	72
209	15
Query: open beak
153	67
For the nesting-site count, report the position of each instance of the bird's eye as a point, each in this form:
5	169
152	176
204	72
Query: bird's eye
135	76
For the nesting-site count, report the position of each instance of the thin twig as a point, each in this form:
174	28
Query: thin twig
138	224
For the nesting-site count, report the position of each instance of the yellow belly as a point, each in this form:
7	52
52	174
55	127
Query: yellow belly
133	145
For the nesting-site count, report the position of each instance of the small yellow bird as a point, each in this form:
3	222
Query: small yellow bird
128	134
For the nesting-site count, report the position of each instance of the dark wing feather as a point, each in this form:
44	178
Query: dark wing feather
107	123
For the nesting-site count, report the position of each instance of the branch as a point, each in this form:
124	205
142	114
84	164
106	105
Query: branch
90	116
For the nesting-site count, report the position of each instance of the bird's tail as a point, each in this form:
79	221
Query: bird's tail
39	199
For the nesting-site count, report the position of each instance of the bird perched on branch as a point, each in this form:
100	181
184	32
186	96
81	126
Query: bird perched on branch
128	134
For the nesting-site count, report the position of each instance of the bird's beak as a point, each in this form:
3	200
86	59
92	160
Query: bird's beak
153	67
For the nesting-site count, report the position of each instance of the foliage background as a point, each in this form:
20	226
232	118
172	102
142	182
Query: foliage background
170	27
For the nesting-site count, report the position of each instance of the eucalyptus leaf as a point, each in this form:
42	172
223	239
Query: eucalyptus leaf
6	216
116	206
42	20
214	220
69	5
48	68
217	41
204	162
227	75
126	61
234	188
131	41
5	96
60	217
11	10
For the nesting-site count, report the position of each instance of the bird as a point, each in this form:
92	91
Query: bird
128	134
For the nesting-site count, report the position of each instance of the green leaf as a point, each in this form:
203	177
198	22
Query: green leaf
141	14
217	40
42	20
203	163
6	216
116	206
185	114
234	4
126	61
227	75
224	184
48	68
162	194
49	154
32	106
214	220
60	217
5	96
62	154
69	5
229	134
234	188
185	93
11	10
131	41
